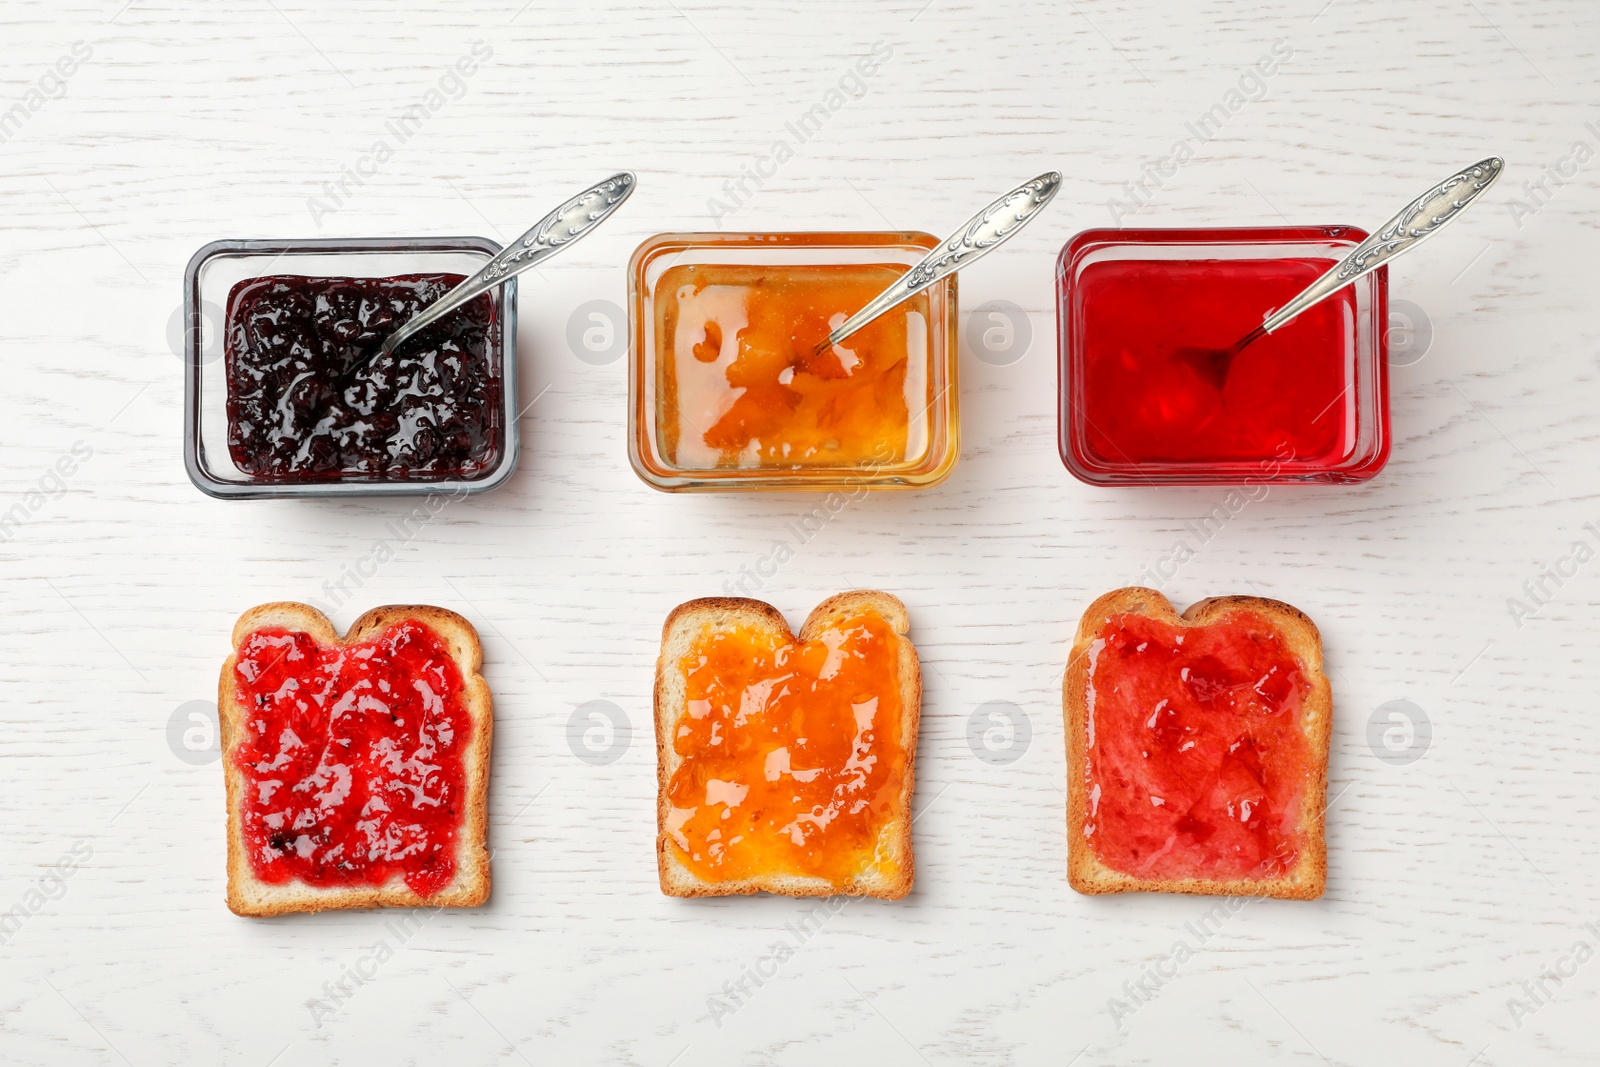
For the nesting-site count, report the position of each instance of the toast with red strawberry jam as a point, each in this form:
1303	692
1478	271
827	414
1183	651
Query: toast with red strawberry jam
1197	748
357	767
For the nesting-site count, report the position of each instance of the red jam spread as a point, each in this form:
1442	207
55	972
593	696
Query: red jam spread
743	385
352	758
304	407
1287	397
793	759
1197	758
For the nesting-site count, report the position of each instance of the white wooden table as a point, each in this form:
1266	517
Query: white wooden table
1455	878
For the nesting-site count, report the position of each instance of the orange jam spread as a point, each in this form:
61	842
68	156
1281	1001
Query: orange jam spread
743	385
792	755
1197	759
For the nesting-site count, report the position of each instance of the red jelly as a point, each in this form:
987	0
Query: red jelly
352	758
1197	761
308	401
1306	403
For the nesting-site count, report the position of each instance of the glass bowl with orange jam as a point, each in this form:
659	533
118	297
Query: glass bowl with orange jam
728	390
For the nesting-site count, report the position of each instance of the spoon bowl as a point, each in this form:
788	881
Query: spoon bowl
1415	223
1213	364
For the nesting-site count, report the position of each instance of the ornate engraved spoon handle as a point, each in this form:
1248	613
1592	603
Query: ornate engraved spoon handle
984	232
1416	222
550	235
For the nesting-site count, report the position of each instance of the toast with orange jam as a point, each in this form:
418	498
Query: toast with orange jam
786	764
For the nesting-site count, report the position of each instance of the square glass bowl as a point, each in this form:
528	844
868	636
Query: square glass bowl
1140	403
219	266
684	408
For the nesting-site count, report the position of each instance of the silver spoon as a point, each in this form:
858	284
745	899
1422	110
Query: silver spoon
553	233
983	233
1416	222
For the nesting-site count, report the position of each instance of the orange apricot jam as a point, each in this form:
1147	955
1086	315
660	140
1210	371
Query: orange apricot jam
1197	759
792	754
744	387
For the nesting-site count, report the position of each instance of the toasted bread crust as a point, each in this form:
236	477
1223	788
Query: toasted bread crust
249	896
1308	878
687	621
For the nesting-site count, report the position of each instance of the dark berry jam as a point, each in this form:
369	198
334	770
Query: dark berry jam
304	407
352	758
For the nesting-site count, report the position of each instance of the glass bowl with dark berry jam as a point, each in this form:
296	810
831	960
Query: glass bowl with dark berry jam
286	395
1307	403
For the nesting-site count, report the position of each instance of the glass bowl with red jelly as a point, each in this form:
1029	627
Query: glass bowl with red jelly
1308	403
285	397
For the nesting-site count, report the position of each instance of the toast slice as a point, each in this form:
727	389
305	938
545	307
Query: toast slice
882	857
469	884
1117	761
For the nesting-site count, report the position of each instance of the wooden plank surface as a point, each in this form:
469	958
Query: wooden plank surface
1455	879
